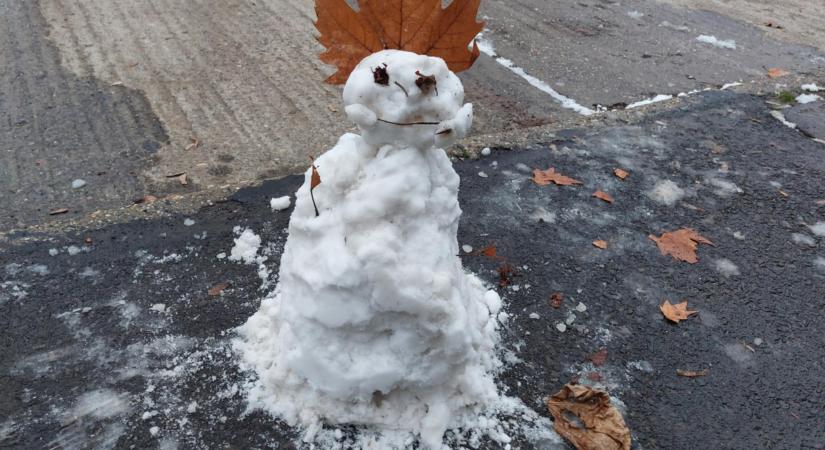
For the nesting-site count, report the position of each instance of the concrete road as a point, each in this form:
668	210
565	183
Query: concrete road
127	95
109	338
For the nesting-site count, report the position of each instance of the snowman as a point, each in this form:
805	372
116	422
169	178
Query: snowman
374	321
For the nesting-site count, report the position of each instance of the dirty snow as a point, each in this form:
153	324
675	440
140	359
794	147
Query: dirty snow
280	203
77	184
803	239
486	151
725	188
635	15
726	267
819	263
807	98
650	101
811	87
781	117
188	222
714	41
666	192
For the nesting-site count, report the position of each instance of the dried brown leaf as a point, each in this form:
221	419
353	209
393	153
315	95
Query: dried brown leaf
676	313
600	244
599	426
601	195
556	300
691	373
506	272
681	244
183	179
599	358
419	26
621	173
193	144
216	290
58	211
545	177
776	72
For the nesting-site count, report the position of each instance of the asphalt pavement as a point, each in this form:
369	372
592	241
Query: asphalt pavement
111	339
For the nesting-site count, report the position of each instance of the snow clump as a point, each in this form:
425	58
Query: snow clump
246	247
280	203
714	41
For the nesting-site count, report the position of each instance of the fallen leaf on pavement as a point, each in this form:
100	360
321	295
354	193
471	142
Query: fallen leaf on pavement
506	272
600	244
599	358
488	251
556	300
183	180
676	313
776	72
691	373
193	144
57	211
621	173
216	290
681	244
545	177
419	26
601	195
599	426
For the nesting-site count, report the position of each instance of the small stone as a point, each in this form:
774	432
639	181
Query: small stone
561	327
78	183
486	151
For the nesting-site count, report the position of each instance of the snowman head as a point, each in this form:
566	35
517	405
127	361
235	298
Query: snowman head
406	99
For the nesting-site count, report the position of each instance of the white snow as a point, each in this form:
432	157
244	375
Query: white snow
467	248
818	229
486	151
725	188
581	307
101	404
758	341
561	326
811	87
374	321
188	222
486	47
158	307
280	203
154	431
666	192
803	239
483	174
246	247
78	183
73	250
54	252
535	316
726	267
635	15
714	41
649	101
807	98
819	262
730	85
781	117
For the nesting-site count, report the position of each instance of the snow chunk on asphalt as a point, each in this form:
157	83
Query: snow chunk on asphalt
635	15
726	267
807	98
280	203
188	222
486	151
78	183
819	262
725	188
650	101
818	229
803	239
781	117
666	192
716	42
811	87
101	404
246	247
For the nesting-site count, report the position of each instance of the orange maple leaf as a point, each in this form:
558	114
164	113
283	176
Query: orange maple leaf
600	244
621	173
776	72
545	177
681	244
420	26
676	313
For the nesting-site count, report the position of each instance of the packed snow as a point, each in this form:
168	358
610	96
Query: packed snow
716	42
246	247
78	183
807	98
666	192
280	203
818	229
812	87
375	322
650	101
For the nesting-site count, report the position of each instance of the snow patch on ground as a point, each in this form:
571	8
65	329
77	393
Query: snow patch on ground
807	98
716	42
725	188
486	46
280	203
818	229
726	267
246	247
811	87
781	117
635	15
650	101
803	239
666	192
819	263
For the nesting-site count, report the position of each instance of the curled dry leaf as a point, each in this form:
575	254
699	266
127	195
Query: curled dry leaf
676	313
419	26
600	244
545	177
691	373
58	211
681	244
601	195
776	72
216	290
621	173
600	426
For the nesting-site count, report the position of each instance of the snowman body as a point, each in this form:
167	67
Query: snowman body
374	320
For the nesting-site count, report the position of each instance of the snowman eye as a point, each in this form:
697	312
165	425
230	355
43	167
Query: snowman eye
381	76
426	83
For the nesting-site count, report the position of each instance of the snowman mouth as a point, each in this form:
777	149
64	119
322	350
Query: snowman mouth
409	124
